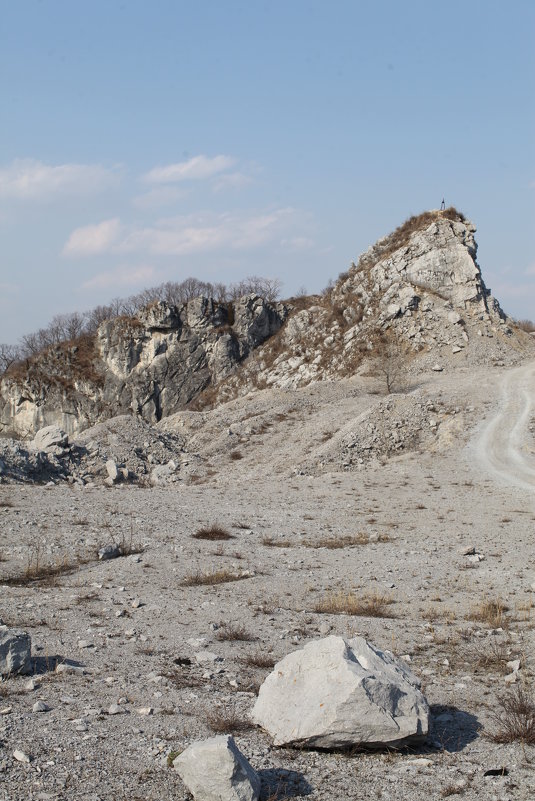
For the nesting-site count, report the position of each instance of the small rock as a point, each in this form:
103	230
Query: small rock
115	709
15	651
20	756
207	656
40	706
216	770
145	710
437	368
111	551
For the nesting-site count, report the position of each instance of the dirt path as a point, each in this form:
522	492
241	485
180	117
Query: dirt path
504	446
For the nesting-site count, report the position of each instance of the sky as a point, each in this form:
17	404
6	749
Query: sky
143	142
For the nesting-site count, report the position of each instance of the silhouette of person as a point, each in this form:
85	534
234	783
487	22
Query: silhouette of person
442	205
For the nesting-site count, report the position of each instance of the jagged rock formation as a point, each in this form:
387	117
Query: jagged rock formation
149	366
416	296
419	289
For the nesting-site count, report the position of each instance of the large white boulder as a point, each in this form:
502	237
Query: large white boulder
336	693
216	770
50	439
15	651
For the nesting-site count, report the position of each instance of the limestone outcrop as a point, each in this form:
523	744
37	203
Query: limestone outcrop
150	366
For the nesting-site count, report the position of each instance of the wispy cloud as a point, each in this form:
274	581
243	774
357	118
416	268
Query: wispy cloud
123	277
184	235
93	239
197	168
28	179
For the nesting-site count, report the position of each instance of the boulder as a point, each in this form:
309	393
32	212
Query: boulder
336	693
15	651
162	473
50	439
215	770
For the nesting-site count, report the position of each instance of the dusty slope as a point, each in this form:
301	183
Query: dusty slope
419	510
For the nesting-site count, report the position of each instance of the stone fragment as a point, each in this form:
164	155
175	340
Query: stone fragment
20	756
162	472
215	770
111	551
112	470
40	706
15	651
336	693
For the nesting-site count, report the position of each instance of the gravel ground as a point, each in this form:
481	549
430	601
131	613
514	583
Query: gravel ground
136	633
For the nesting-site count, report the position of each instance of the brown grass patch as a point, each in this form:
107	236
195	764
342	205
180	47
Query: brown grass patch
373	604
277	543
211	578
6	504
491	612
333	543
214	532
236	455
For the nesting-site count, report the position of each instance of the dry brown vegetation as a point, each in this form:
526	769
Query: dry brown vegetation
374	604
259	660
491	611
526	325
210	578
514	718
227	631
333	543
227	721
213	532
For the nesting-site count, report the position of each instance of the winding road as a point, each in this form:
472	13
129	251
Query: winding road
506	446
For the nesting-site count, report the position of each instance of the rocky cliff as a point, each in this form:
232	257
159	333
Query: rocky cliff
418	291
150	365
417	295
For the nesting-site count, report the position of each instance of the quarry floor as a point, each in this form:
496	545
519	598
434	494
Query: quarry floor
133	628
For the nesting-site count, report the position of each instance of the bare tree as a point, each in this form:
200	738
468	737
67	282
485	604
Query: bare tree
389	361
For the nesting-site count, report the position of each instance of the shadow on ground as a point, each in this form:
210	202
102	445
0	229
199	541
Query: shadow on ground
279	783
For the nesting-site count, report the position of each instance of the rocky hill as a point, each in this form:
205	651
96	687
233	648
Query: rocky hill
415	299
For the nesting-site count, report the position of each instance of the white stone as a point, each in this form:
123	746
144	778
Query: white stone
112	470
20	756
207	656
49	439
40	706
215	770
335	693
15	651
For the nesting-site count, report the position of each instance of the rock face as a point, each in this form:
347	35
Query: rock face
336	693
215	770
150	366
15	651
421	287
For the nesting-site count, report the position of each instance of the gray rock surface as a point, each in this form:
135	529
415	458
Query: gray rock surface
15	651
216	770
50	439
335	693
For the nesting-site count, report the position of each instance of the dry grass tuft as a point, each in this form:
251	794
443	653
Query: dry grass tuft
211	578
227	631
226	721
214	532
5	503
236	455
347	603
514	718
491	612
333	543
277	543
258	660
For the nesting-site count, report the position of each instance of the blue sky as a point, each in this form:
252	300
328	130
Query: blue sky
143	142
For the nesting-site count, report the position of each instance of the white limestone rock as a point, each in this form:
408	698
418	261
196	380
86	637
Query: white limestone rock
336	693
215	770
15	651
51	439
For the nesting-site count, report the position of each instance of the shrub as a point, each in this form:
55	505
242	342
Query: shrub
213	532
514	718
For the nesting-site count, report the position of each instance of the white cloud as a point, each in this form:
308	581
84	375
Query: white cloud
28	179
183	235
90	240
123	277
195	169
